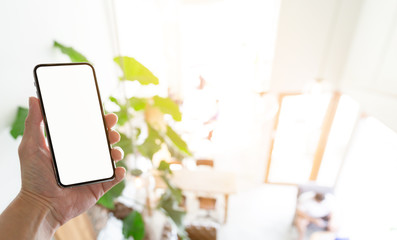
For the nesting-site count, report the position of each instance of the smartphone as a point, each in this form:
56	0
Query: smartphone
74	123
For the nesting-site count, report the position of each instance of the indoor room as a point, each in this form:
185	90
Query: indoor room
222	119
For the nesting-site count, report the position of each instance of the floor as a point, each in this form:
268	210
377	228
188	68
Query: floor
265	212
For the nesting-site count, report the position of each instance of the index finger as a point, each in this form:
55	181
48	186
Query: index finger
111	120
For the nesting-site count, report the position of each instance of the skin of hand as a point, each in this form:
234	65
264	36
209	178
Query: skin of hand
39	187
319	222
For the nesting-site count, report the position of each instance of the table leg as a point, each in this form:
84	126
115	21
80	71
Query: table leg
226	207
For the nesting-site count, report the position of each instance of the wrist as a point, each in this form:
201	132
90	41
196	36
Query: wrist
28	217
42	210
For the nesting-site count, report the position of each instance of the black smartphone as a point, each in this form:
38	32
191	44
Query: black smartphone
74	122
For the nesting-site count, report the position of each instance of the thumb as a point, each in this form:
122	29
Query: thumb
33	120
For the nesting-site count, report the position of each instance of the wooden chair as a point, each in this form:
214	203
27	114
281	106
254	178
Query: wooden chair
201	232
206	203
205	162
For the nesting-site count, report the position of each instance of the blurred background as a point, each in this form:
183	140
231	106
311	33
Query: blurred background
274	95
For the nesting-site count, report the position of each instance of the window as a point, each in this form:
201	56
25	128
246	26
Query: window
311	137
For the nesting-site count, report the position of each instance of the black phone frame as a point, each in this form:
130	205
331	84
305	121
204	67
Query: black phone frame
38	92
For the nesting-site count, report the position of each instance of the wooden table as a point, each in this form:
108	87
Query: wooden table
78	228
204	181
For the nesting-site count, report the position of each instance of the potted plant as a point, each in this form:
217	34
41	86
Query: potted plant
144	131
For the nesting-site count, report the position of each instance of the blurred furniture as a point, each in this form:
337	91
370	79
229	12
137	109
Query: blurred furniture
79	228
205	162
208	181
207	202
201	232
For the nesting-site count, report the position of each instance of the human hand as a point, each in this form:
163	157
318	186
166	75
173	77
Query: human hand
38	179
319	222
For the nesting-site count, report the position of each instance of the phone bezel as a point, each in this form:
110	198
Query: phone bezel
38	92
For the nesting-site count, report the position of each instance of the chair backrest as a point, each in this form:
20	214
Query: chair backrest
205	162
207	203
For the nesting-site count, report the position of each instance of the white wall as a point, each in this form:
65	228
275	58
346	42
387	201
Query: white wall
312	41
28	29
367	183
371	71
352	45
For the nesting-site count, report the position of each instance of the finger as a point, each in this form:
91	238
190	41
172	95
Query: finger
117	154
120	173
111	120
114	136
33	120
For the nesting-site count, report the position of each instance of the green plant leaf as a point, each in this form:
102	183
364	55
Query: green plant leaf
122	114
164	167
168	106
175	192
171	208
114	100
138	132
134	226
125	143
122	163
137	103
136	172
74	55
177	140
18	125
152	143
135	71
107	200
175	152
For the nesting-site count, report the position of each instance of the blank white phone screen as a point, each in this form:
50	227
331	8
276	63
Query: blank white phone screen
75	123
